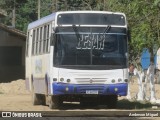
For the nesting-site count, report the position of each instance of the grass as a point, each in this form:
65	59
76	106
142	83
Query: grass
1	92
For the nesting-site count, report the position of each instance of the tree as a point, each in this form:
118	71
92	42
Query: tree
26	11
143	18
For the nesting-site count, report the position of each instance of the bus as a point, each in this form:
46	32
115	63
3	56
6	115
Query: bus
77	56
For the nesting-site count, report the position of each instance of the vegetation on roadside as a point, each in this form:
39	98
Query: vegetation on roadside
143	17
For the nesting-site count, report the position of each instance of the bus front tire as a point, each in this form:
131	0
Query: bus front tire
38	99
55	102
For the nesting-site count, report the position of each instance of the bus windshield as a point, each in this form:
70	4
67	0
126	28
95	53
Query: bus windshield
90	48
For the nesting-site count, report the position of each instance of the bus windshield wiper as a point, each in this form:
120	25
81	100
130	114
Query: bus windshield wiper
104	32
76	31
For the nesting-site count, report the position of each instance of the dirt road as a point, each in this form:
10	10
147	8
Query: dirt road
14	97
19	102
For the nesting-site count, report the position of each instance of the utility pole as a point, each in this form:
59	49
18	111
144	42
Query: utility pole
14	16
56	6
39	9
104	5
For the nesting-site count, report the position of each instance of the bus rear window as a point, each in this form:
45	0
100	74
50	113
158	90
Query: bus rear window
91	19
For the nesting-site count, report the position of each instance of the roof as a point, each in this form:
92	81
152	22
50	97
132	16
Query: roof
13	31
3	13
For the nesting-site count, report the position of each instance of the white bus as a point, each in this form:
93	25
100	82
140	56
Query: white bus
77	56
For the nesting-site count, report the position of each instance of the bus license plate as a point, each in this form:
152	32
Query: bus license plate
91	91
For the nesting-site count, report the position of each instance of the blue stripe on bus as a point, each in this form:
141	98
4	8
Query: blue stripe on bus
109	89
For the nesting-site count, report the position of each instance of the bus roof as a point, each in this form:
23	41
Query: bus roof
52	16
90	12
42	21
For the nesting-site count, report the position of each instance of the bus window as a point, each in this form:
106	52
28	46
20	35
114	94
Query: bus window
27	44
37	41
40	41
47	38
33	42
44	39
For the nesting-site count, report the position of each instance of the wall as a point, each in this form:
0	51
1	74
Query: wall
12	56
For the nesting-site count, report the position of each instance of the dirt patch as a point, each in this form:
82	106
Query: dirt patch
15	97
14	87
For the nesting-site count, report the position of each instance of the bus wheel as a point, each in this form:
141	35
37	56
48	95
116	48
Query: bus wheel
55	102
42	99
38	99
112	101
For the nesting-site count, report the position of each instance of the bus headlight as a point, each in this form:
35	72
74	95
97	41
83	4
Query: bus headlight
125	80
113	80
68	80
119	80
61	79
54	79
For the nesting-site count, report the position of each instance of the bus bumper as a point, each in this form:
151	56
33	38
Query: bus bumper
78	89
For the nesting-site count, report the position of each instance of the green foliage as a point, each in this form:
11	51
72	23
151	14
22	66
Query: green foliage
144	20
27	10
143	17
79	4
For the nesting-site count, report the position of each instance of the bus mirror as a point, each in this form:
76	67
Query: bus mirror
53	38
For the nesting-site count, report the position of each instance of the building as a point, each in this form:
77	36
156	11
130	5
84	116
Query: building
3	13
12	54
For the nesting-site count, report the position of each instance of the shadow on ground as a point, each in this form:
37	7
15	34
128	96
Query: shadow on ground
121	105
124	108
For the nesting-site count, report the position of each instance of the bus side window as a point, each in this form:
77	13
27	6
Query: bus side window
37	41
33	42
27	44
40	41
52	39
47	38
44	38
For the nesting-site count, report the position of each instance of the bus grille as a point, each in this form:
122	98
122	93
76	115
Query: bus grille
91	80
